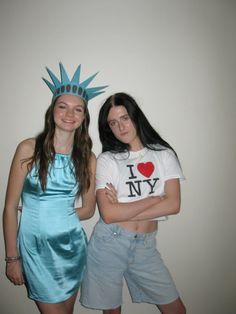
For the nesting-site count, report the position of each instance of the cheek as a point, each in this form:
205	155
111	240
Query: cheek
80	117
114	132
132	128
57	113
55	116
118	136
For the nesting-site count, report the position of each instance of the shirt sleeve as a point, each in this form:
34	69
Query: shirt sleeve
172	168
106	171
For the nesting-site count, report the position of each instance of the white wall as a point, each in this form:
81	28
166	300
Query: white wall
178	59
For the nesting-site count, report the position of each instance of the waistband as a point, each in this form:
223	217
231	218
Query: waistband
115	228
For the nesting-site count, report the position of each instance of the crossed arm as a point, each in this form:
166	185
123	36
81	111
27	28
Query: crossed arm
149	208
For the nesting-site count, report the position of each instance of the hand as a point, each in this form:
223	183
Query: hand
14	273
111	193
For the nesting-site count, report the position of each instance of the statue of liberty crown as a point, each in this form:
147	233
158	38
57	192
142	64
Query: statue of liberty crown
72	87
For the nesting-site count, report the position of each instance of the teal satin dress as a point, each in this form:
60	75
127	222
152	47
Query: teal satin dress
51	240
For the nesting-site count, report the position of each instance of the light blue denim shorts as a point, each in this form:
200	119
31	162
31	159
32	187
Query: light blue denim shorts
115	253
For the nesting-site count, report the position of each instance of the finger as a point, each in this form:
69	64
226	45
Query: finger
113	189
111	194
110	186
111	198
18	281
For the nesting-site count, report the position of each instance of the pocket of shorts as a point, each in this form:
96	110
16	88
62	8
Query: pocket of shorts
103	234
150	242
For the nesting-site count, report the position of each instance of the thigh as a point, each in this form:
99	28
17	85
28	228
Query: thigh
70	303
176	307
106	264
65	307
113	311
48	308
147	277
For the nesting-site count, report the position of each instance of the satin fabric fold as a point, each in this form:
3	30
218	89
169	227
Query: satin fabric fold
51	240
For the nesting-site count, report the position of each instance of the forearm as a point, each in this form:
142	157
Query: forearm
165	207
88	199
145	209
18	172
119	212
87	208
85	212
10	226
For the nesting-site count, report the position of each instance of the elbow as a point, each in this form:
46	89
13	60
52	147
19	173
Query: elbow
90	214
175	207
176	210
91	211
86	213
107	219
109	213
105	214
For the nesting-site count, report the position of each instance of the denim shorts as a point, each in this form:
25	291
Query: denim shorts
115	253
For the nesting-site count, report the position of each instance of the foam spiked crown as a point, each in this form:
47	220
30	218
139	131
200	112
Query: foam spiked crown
72	87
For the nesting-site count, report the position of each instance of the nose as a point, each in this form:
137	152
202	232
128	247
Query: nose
121	125
69	112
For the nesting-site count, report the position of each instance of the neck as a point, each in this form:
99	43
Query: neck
63	142
136	145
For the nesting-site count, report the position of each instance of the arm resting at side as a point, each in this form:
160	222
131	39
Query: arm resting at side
16	179
87	209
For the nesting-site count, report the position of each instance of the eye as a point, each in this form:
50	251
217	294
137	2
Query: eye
112	124
61	106
125	118
79	109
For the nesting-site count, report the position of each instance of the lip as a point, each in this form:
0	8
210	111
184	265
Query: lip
124	133
68	121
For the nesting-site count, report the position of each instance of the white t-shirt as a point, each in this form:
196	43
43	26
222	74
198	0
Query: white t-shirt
137	175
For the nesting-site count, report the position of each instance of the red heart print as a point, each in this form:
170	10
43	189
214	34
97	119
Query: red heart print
146	168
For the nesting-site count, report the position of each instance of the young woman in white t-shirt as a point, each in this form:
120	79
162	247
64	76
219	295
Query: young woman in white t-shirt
138	183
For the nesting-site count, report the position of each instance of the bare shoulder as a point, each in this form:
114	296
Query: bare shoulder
25	149
93	157
24	152
93	161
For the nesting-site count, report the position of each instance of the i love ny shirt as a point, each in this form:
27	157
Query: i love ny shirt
137	175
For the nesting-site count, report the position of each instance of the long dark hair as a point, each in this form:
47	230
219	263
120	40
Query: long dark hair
44	152
148	136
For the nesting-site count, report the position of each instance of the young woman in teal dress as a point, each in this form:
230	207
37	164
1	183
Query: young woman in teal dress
47	252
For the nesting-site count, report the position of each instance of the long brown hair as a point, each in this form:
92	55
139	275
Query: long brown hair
44	152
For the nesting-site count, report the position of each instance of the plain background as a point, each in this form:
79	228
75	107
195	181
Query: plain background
177	58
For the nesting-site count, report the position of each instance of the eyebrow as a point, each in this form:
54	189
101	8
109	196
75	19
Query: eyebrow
65	103
124	115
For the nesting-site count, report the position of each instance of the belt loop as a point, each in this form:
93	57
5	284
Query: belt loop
116	230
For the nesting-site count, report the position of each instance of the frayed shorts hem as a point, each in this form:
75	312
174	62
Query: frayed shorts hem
99	308
156	303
